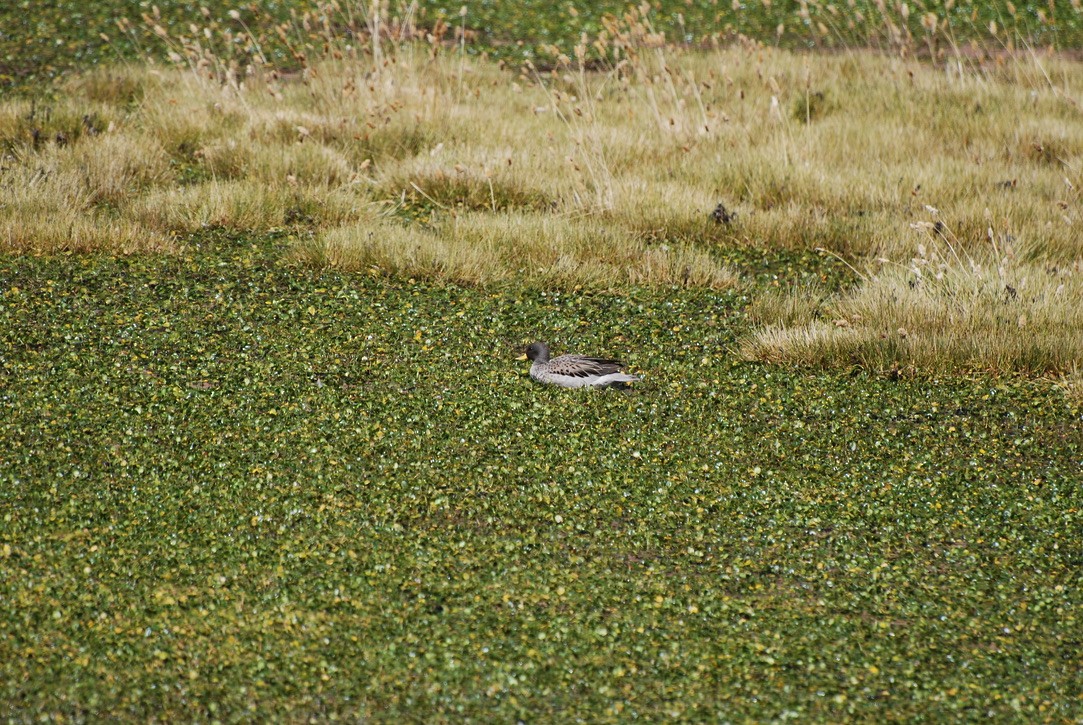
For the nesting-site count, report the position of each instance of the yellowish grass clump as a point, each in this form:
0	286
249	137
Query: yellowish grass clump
1072	385
961	316
429	164
485	247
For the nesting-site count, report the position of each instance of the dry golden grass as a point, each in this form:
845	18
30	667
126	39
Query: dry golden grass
1025	319
944	185
1072	385
1008	305
539	250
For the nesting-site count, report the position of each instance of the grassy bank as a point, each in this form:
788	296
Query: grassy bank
951	191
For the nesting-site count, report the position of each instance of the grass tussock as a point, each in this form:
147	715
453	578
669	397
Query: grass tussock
1072	385
479	248
242	205
437	187
940	312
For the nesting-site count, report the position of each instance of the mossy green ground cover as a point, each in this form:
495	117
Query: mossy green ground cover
235	488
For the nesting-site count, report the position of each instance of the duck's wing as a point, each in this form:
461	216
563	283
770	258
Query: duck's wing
580	366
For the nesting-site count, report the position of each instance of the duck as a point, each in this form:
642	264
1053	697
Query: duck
575	371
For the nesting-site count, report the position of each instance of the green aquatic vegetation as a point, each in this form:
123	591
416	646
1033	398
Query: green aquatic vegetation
231	487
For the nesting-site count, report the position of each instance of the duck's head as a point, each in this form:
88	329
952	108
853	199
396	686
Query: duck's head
538	352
